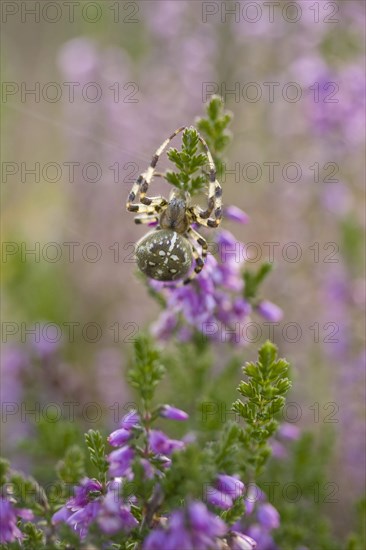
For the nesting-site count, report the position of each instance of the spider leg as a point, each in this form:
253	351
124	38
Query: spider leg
197	218
199	265
143	209
155	201
150	172
159	175
214	200
146	219
199	259
199	240
141	185
136	191
161	201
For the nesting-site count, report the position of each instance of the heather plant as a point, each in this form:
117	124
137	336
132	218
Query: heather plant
151	490
204	484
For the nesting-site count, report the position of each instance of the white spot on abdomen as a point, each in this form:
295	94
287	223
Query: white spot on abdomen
172	242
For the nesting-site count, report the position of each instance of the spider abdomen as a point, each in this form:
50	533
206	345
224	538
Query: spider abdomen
164	255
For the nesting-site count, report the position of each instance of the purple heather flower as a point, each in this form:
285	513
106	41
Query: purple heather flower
119	437
161	444
172	413
120	461
241	308
236	214
80	511
130	420
228	276
155	540
225	238
201	519
265	519
62	515
115	516
194	528
289	431
209	304
24	513
269	311
177	534
82	493
227	489
262	537
230	485
268	516
231	255
196	303
254	495
81	520
219	498
9	532
165	325
109	511
238	541
148	469
278	450
258	525
165	462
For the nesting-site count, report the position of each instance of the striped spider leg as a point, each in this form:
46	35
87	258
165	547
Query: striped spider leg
214	201
141	185
147	219
199	259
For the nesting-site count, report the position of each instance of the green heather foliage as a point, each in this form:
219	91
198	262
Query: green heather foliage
264	393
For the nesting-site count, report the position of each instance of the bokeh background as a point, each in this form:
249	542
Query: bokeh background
110	81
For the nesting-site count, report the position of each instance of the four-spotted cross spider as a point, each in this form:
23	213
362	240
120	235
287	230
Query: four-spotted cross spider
167	253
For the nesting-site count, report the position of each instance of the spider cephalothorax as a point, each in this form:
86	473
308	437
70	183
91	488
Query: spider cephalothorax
167	253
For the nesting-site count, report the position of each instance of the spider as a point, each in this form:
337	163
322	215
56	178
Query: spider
167	252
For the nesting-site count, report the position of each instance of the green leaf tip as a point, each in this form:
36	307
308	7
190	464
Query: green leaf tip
264	393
